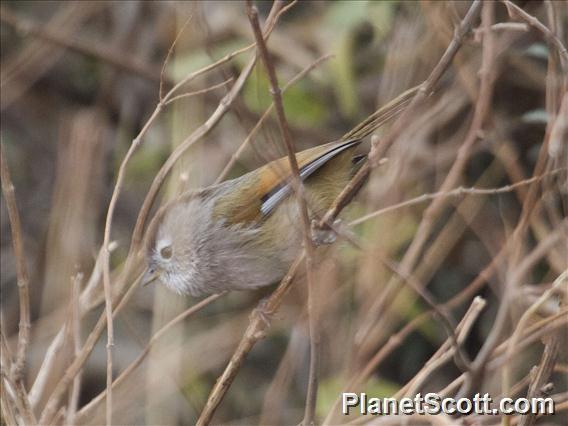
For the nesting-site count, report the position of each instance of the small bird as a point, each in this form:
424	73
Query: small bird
244	233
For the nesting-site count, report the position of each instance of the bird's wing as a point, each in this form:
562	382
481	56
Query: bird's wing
257	194
309	162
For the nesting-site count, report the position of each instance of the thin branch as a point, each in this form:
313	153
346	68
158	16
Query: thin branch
457	192
199	92
75	325
6	406
21	268
461	360
298	187
124	375
168	55
530	335
556	289
515	12
541	375
18	392
54	348
271	21
479	364
447	350
50	409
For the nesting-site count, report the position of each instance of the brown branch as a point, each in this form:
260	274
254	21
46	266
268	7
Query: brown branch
21	268
513	245
18	395
75	326
6	406
397	339
298	187
54	348
556	289
541	375
198	92
448	323
515	12
530	335
479	364
168	55
444	353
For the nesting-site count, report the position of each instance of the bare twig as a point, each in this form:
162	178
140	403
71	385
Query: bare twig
7	407
9	401
17	391
530	335
541	375
556	289
515	12
479	364
51	354
168	55
447	350
75	326
22	270
297	185
198	92
393	342
458	192
461	360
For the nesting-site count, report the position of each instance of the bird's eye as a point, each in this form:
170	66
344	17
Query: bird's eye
166	252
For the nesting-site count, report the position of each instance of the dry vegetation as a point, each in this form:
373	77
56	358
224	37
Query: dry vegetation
449	271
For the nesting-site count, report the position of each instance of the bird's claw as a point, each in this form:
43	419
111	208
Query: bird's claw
325	236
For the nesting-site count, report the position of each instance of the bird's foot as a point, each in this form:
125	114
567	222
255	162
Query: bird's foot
325	236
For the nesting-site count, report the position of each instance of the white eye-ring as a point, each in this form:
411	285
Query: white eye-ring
166	252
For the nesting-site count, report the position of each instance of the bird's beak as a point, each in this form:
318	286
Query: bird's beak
149	276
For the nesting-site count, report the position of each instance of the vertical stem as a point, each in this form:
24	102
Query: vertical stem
299	191
22	271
